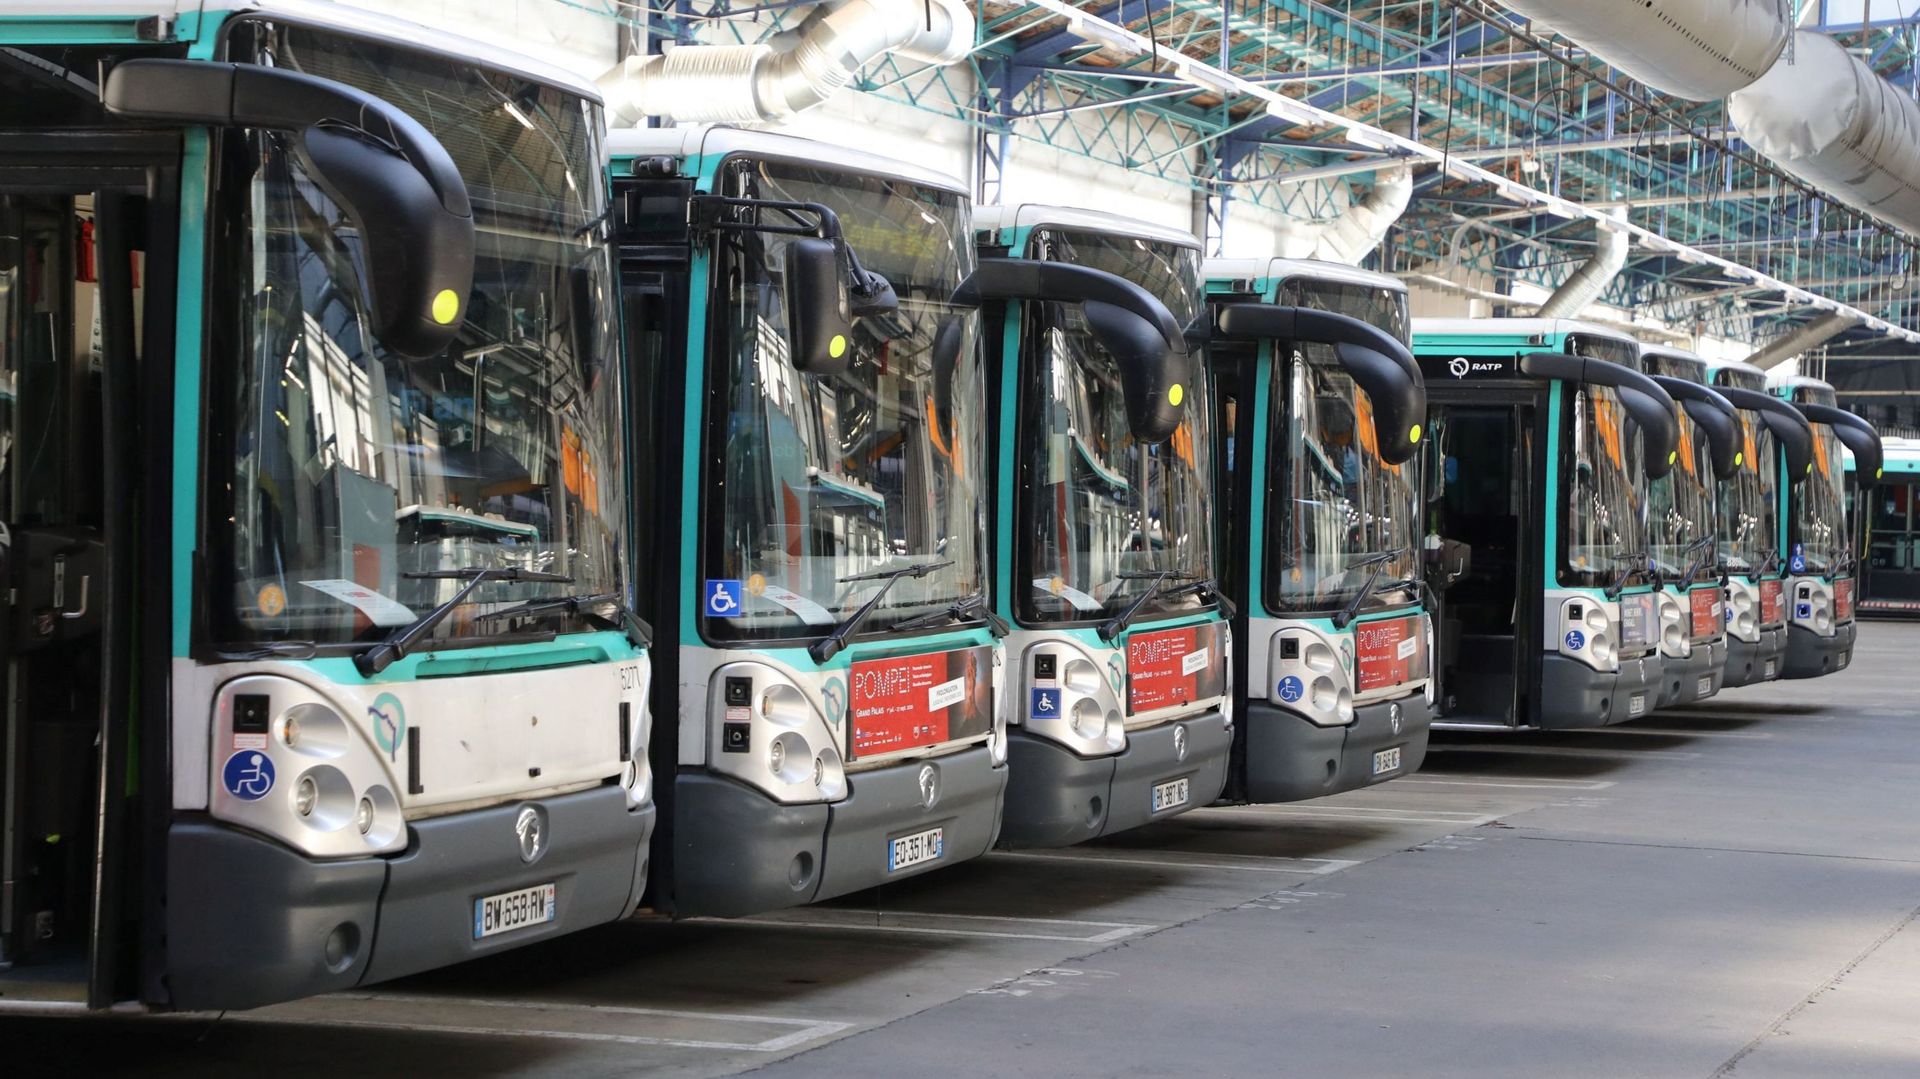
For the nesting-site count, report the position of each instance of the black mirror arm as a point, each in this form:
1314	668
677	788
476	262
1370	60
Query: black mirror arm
1787	424
1857	435
1646	402
1063	282
1715	415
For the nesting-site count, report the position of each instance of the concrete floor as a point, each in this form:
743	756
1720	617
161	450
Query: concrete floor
1726	890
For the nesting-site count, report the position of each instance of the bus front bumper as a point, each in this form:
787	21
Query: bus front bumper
1056	798
1810	655
1574	695
1750	663
1695	676
1289	758
738	852
252	922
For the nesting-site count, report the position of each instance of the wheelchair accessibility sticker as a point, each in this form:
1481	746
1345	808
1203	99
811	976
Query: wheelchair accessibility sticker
1045	704
723	598
248	775
1291	688
1576	640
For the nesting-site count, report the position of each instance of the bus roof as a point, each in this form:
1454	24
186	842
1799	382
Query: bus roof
1031	214
1540	328
719	140
1273	269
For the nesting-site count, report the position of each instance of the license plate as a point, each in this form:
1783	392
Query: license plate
509	911
1387	760
1172	794
1769	671
1706	685
1637	704
916	849
1843	659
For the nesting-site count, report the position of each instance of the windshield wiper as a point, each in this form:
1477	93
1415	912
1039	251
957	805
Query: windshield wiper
958	611
1767	563
638	632
829	646
1206	586
380	656
1374	562
1695	549
1115	626
1638	562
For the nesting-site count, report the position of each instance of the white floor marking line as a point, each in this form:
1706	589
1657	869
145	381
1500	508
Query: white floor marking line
1251	864
809	1029
862	921
1671	732
1330	813
1458	779
1586	751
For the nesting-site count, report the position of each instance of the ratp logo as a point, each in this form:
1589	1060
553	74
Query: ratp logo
1458	367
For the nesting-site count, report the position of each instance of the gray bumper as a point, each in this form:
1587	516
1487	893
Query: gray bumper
1810	655
738	852
1056	797
1682	677
1748	662
251	922
1574	695
1288	758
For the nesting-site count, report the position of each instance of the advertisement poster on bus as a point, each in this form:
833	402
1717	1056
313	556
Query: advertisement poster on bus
1773	603
1174	666
911	702
1843	599
1639	621
1389	652
1706	612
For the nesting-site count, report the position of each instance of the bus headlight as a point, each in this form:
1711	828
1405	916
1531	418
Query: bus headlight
1585	630
1307	675
1074	705
788	751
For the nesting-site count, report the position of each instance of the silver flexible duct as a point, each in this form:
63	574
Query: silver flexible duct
1796	341
797	70
1586	284
1354	234
1697	49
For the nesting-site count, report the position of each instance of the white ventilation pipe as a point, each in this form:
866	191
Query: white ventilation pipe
1824	116
1702	50
1798	340
769	80
1354	234
1585	284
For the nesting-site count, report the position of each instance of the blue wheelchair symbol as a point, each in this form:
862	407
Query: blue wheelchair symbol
723	599
1799	564
248	775
1291	689
1803	610
1045	704
1576	640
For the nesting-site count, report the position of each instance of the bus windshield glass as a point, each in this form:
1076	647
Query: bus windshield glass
1340	514
1680	510
1103	515
352	488
1747	509
1819	532
816	478
1600	463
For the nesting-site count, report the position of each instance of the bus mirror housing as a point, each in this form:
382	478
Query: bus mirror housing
819	307
1715	415
395	183
1646	403
1377	361
1786	423
1146	341
1855	434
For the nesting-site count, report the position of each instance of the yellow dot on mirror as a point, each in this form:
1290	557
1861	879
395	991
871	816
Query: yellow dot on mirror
1176	394
446	304
1414	435
838	346
1672	456
1739	457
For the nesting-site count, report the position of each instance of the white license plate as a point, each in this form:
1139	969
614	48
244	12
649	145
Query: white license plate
1769	672
509	911
1843	660
1172	794
1706	685
916	849
1637	704
1387	760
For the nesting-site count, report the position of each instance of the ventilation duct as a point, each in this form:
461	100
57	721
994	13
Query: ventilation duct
1824	116
1586	284
1798	340
1353	235
797	70
1697	49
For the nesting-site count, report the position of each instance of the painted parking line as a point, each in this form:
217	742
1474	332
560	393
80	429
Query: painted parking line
1358	814
1504	748
1464	779
556	1021
1004	927
1681	732
1234	863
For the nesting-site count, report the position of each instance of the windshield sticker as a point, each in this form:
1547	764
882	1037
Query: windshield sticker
722	598
381	610
1054	586
807	610
910	702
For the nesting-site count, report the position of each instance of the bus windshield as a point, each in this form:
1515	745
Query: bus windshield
1819	531
1680	510
352	487
1600	459
1747	510
1103	515
1344	514
814	479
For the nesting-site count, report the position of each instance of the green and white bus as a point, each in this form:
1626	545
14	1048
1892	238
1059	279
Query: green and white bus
1104	522
812	402
1889	533
1322	412
320	663
1546	434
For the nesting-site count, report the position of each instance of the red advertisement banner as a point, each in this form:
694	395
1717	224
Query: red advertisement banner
910	702
1843	599
1773	606
1174	666
1707	618
1389	652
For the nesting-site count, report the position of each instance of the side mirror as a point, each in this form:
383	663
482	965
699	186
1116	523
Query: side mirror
1715	415
1855	434
393	180
1785	422
1659	429
1378	361
1147	343
1646	403
819	308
